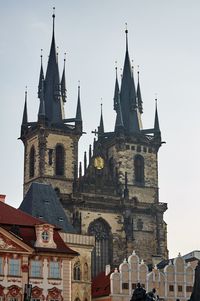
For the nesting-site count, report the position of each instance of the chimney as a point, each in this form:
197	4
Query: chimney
2	198
107	270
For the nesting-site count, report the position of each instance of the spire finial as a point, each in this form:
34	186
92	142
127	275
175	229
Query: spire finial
65	54
116	67
53	16
79	83
41	55
126	32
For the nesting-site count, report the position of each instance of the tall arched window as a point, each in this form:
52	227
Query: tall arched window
32	162
60	160
102	252
139	169
77	270
85	271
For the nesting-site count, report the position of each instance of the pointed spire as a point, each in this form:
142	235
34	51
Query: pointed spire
25	115
90	153
63	83
139	97
116	92
156	120
41	112
24	125
128	96
85	162
53	103
78	108
119	125
41	77
101	125
126	32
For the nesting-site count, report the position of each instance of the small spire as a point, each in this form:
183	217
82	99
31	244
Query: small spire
80	169
41	112
139	96
90	152
119	125
101	125
78	108
25	115
116	92
156	120
41	77
85	162
63	82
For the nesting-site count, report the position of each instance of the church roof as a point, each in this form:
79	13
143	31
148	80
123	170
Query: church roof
41	201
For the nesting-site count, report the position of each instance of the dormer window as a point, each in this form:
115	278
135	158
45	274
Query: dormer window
45	236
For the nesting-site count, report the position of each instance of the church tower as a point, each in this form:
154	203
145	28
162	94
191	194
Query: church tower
51	143
117	198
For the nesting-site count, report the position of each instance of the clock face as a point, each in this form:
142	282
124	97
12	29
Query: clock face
99	162
45	236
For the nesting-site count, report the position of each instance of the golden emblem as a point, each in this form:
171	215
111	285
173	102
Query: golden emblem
99	162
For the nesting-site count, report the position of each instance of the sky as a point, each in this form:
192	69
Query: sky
164	41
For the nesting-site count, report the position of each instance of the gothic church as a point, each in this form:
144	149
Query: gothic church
114	195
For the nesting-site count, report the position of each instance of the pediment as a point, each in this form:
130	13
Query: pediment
10	243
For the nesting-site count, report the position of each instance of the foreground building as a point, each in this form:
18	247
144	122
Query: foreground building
117	198
174	281
32	253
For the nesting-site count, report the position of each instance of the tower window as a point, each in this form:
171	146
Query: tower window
139	169
102	252
32	162
59	160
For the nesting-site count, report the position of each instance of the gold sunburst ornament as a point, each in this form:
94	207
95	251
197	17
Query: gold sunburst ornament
99	162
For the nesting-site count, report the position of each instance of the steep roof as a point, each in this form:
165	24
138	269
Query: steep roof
41	201
22	225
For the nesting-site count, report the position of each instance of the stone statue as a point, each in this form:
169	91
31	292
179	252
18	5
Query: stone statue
139	294
196	288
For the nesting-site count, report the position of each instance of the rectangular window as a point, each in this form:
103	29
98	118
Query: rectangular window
124	285
1	266
171	288
180	288
134	285
189	288
36	268
54	269
14	267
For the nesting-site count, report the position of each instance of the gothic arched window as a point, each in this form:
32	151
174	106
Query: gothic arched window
77	271
32	162
102	252
60	160
139	169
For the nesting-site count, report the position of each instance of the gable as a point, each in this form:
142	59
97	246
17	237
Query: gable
11	243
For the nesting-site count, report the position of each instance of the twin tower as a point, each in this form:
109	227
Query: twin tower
114	195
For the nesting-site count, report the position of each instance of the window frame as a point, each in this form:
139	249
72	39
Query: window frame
54	269
59	160
37	269
14	265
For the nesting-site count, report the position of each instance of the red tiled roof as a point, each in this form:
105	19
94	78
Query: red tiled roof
101	285
13	216
25	229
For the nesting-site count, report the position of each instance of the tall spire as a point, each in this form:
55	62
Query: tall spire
116	92
139	96
101	124
52	97
78	108
128	96
156	120
41	77
63	83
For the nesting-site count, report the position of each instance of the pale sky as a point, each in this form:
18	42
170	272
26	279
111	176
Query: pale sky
164	40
